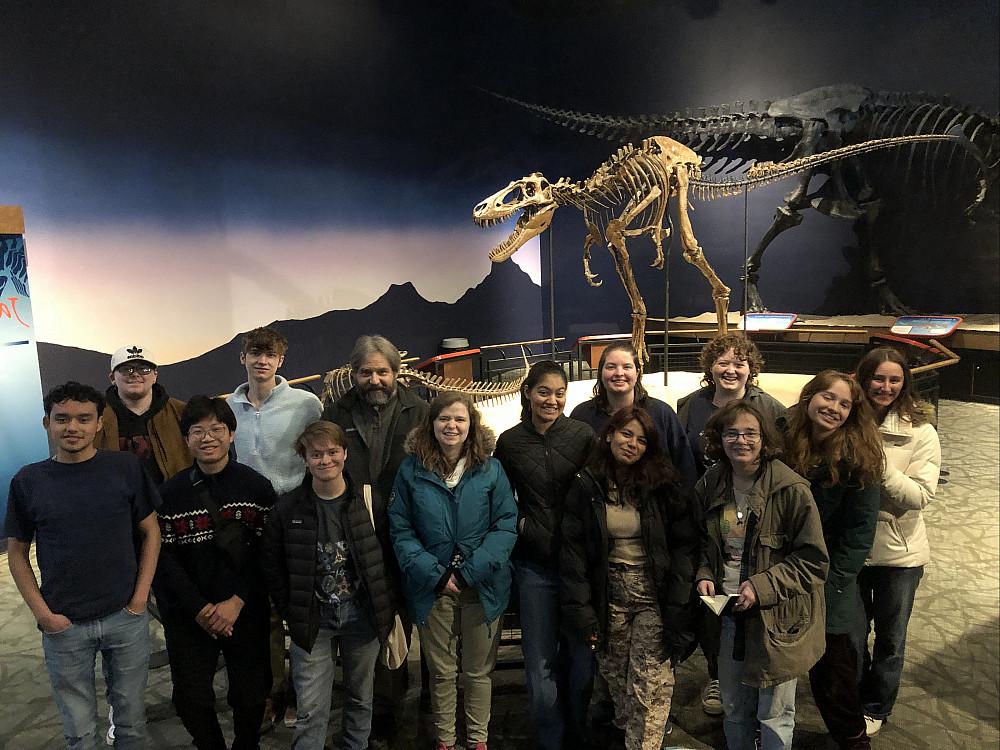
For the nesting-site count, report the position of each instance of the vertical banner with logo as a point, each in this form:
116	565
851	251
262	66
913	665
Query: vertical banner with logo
22	439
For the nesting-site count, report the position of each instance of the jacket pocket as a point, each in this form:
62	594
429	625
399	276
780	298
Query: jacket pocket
787	621
771	550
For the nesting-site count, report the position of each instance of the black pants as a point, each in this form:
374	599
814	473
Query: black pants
390	692
708	638
193	657
834	682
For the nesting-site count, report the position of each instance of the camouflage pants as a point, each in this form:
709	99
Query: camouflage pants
639	674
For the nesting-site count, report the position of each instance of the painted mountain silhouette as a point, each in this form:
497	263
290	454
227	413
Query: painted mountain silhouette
505	306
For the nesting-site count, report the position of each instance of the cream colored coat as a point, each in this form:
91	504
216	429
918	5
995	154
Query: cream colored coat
913	462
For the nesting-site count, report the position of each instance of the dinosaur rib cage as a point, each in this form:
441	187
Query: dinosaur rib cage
629	174
338	382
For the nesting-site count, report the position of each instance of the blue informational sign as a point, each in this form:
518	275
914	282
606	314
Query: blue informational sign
769	321
925	326
22	438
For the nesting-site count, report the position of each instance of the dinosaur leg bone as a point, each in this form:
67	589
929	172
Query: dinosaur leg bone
787	215
623	265
694	255
593	238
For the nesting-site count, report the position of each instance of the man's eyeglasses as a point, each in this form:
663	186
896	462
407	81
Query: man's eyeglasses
731	436
135	369
217	431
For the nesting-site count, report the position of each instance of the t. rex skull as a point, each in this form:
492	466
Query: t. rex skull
532	195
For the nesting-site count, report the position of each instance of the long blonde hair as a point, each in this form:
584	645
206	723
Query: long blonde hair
476	449
855	446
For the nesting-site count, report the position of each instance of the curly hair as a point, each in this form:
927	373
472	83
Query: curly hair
907	404
724	418
73	391
601	391
742	346
476	449
653	468
855	446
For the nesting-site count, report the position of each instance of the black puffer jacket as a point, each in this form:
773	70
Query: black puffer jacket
670	521
540	468
290	563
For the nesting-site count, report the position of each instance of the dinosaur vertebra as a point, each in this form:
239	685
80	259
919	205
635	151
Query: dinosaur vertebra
628	196
338	382
817	121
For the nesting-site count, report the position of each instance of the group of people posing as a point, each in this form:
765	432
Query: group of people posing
349	526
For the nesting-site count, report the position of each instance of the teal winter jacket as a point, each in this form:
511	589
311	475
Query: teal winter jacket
431	525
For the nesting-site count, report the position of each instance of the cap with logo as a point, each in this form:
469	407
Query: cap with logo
132	354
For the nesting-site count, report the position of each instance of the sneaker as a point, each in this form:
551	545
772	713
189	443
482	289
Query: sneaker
872	725
711	699
110	736
269	717
290	717
442	746
470	745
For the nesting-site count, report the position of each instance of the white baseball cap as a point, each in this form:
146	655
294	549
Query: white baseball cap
132	354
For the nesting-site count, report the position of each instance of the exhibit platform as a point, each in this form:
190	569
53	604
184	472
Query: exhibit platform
814	343
975	332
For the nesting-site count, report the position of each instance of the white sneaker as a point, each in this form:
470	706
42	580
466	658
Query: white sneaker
110	736
872	725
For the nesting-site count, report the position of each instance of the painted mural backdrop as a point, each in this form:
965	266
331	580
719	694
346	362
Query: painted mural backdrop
22	439
191	170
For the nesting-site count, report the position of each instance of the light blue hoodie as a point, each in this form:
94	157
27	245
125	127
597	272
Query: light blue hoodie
265	439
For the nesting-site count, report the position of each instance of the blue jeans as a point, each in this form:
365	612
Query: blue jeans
312	676
70	657
559	674
888	598
749	709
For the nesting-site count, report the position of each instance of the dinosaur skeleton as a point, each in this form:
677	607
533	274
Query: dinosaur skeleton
628	196
729	137
338	382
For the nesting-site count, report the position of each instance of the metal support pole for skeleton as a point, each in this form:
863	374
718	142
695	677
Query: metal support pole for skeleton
552	299
666	313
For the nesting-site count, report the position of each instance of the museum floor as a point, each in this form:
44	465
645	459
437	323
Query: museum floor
950	696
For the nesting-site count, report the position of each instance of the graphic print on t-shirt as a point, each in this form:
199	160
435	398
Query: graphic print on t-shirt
138	445
333	585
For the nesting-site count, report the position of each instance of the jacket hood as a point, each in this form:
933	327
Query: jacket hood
776	476
489	439
160	399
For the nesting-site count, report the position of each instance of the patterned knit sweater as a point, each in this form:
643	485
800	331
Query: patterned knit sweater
192	570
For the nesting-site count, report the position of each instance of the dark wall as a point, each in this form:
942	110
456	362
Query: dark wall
371	117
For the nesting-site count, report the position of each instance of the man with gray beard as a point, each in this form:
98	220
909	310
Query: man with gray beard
377	414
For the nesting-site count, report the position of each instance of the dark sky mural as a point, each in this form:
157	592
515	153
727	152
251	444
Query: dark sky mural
189	169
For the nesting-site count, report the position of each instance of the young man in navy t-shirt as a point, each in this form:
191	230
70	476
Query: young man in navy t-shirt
84	508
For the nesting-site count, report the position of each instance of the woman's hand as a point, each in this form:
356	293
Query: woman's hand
706	587
747	597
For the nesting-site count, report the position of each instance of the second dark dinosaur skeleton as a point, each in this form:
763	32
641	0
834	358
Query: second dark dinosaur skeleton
628	196
729	137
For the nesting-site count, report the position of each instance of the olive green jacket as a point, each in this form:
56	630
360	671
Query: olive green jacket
785	560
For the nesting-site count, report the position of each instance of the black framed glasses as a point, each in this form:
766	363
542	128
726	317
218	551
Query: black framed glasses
135	369
732	436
